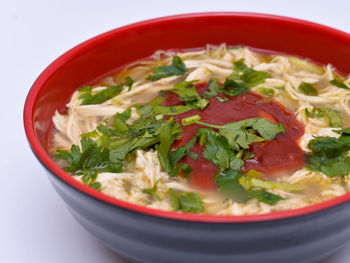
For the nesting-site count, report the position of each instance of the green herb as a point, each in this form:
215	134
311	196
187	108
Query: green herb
265	197
345	131
163	148
240	82
239	65
193	155
101	96
248	155
333	116
89	160
307	89
237	131
253	77
176	155
119	121
279	87
189	94
315	113
268	92
335	120
222	99
129	81
218	150
173	199
329	155
147	110
170	110
214	88
339	84
190	120
186	202
251	180
177	68
90	134
152	191
228	184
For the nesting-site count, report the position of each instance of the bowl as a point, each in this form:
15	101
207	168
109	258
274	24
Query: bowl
147	235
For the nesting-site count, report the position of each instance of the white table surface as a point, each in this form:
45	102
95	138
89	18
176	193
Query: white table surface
35	225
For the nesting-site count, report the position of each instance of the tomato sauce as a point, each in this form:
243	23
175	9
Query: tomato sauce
281	154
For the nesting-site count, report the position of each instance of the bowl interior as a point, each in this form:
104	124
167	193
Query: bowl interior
111	51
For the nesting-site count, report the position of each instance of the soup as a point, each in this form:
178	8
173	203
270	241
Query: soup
221	130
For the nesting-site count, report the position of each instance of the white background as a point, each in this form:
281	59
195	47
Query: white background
35	225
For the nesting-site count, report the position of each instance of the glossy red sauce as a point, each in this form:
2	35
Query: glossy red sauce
281	154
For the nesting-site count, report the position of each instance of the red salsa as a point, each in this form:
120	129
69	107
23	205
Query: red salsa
281	154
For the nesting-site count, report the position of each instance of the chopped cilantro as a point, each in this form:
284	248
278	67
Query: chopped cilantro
129	81
189	94
339	84
101	96
333	116
307	89
253	77
119	121
193	155
239	65
315	113
152	191
265	197
335	120
163	148
214	88
329	155
171	110
222	99
186	202
173	199
190	120
228	184
268	92
177	68
89	160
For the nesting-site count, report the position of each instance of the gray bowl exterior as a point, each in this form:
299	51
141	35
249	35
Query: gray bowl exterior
145	238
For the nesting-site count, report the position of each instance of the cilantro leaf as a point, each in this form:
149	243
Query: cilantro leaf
129	82
186	202
234	87
163	148
101	96
339	84
239	65
191	203
329	155
152	191
171	110
177	68
173	199
119	120
307	89
89	160
267	92
228	184
176	155
265	197
253	77
214	88
315	113
335	120
189	94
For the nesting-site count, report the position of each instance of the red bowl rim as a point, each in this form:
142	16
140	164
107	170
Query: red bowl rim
43	156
